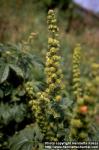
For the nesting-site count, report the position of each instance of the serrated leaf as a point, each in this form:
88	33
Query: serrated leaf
4	72
12	112
27	139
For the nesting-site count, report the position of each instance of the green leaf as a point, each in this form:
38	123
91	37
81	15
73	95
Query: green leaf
26	139
4	72
17	70
12	112
1	93
4	114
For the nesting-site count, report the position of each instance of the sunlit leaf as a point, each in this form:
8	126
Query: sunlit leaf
4	72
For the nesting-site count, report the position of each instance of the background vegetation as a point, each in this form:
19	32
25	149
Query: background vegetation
23	47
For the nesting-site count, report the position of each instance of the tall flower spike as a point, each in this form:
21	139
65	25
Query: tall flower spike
42	106
76	71
53	70
80	121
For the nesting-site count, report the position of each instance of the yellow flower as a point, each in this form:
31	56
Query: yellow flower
58	81
76	71
56	58
49	80
53	50
55	43
38	94
56	64
76	123
83	135
54	76
52	86
48	90
95	66
52	69
50	41
97	80
58	98
49	62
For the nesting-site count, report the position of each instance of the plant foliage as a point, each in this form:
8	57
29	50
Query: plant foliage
35	104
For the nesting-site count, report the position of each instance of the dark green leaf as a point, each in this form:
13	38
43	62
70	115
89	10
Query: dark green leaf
4	72
1	93
17	70
27	139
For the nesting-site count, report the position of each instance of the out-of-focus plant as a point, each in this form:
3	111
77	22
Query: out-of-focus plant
84	107
18	68
59	3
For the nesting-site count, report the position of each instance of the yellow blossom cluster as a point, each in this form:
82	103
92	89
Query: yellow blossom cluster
76	71
41	105
79	122
29	89
84	109
53	70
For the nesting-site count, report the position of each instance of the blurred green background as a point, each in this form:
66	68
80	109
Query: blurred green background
21	19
